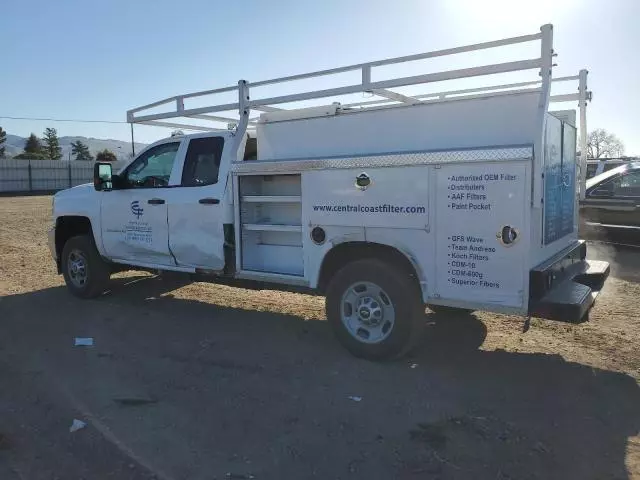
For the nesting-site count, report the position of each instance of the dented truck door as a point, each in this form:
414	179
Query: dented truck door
196	237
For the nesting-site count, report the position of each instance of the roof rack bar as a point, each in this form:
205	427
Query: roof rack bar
570	97
566	79
214	118
209	92
179	98
151	105
155	123
267	109
424	96
481	89
496	87
404	81
427	98
390	104
398	97
408	58
187	112
464	91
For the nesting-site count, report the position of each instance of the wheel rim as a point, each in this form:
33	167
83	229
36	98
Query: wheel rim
367	312
77	268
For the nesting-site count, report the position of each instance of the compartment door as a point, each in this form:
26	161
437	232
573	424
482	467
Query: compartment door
481	233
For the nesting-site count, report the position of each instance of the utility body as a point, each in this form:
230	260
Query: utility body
460	200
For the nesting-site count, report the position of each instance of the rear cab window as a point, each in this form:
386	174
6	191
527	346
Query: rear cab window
202	162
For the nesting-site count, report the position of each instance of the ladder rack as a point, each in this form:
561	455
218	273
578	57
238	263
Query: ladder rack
176	105
235	115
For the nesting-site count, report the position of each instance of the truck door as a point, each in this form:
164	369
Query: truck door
195	208
134	215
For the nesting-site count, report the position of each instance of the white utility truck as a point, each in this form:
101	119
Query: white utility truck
463	199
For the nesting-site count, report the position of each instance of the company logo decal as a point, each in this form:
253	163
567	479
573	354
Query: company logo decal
136	209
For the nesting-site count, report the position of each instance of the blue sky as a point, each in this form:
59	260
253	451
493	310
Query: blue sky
95	60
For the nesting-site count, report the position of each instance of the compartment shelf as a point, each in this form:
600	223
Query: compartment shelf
271	198
270	215
271	227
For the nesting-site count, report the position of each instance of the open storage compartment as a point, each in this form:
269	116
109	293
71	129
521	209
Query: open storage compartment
271	224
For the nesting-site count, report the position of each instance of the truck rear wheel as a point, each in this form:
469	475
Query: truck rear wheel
375	309
84	271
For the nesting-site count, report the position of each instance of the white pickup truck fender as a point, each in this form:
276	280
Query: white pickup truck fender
80	201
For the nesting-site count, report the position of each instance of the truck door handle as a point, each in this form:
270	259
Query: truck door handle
156	201
209	201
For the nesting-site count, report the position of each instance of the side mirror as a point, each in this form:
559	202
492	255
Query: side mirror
102	176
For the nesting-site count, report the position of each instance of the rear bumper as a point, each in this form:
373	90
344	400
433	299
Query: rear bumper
565	287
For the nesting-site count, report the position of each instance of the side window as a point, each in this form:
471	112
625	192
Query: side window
627	185
202	163
591	170
153	168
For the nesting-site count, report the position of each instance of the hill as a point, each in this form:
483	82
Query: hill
15	144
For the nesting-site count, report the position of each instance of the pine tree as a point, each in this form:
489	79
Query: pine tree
32	149
33	145
106	155
3	138
51	144
81	151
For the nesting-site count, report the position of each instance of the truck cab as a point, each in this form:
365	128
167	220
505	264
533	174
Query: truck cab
171	202
166	208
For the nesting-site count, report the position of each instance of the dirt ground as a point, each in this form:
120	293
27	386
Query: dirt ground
201	381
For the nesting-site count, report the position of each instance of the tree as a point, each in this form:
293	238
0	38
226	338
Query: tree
81	151
106	155
3	138
602	144
32	149
51	144
33	145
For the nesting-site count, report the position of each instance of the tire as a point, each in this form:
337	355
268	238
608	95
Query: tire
382	309
449	311
79	251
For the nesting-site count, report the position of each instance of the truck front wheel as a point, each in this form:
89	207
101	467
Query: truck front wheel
375	309
85	273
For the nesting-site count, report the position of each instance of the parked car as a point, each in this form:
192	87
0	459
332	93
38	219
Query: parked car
596	166
612	201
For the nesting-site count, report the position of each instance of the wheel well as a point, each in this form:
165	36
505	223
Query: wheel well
67	227
347	252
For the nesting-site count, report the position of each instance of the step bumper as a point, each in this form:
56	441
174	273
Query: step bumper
566	288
